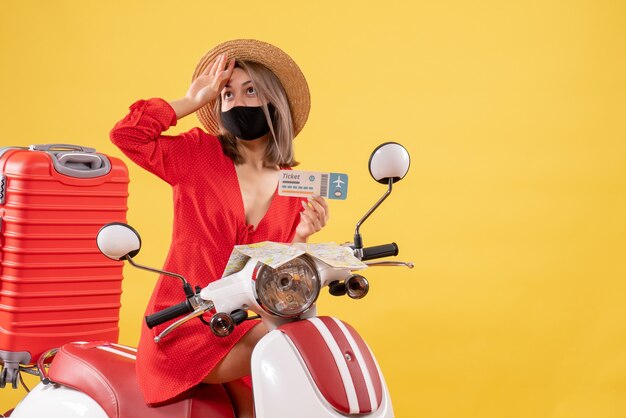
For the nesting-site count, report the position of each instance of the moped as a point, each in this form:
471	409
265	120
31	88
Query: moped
306	366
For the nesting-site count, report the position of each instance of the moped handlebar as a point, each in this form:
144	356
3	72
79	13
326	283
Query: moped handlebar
170	313
380	251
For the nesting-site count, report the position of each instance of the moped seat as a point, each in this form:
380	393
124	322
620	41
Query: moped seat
106	372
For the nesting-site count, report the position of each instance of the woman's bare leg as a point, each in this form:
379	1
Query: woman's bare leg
234	366
241	397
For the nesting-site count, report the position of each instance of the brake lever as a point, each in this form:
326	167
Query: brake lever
408	264
200	310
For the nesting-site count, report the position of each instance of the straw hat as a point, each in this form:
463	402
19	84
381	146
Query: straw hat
275	60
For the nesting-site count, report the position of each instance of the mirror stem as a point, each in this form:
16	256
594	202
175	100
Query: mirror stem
186	286
358	241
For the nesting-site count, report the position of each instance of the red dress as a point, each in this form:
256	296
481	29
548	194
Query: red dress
209	219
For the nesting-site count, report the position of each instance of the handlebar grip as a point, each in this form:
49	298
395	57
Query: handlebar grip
167	314
380	251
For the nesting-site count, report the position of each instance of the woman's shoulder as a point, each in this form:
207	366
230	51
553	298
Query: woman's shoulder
203	147
203	139
201	134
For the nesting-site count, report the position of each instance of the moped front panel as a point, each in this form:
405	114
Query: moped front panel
284	385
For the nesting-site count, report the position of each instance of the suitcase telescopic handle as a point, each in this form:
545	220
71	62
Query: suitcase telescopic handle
60	147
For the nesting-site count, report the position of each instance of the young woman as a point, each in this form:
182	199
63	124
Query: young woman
252	99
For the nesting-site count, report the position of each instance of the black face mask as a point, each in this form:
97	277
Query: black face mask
247	122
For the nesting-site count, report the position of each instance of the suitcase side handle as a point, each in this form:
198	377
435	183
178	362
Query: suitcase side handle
60	147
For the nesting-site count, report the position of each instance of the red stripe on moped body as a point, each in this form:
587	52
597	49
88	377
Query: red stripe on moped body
370	363
352	362
346	389
319	361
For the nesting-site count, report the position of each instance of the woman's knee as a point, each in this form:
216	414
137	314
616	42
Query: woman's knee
236	364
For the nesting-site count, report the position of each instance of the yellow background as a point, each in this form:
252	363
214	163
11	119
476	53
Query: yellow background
514	210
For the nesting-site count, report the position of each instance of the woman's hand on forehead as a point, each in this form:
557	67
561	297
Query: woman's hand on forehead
205	88
210	83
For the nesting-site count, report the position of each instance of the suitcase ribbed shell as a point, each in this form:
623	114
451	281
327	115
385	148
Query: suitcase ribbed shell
55	286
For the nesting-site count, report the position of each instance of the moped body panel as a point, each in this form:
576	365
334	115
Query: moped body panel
284	385
56	401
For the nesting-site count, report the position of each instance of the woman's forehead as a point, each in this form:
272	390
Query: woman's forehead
238	77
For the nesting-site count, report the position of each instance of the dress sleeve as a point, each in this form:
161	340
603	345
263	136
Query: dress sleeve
139	136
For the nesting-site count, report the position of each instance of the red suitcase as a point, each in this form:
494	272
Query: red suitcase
55	286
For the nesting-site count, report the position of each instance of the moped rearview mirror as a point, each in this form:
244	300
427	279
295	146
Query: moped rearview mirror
118	241
389	161
388	164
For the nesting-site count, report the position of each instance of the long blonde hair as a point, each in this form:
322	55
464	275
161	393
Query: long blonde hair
279	151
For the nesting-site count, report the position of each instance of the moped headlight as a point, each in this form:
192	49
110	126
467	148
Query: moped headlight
288	290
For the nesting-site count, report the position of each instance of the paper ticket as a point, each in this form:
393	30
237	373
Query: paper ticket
306	183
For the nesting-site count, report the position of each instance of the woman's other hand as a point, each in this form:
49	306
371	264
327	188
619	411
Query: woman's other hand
205	88
313	218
